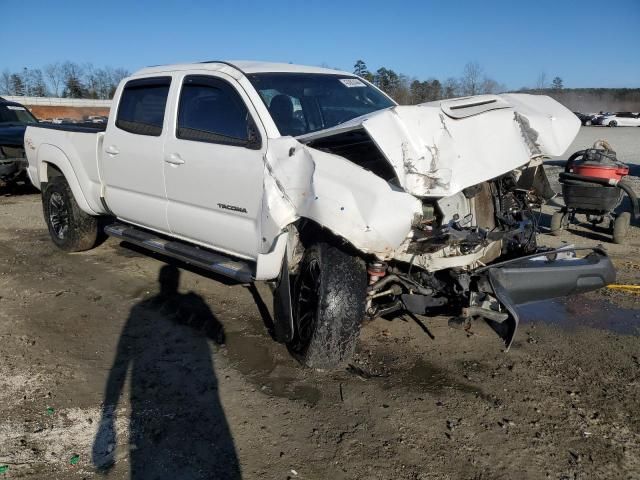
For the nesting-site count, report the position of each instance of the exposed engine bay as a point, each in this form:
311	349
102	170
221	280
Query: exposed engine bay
494	220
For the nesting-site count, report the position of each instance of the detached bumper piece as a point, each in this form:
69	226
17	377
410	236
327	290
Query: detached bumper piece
544	276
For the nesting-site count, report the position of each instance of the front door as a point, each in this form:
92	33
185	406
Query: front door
133	153
214	166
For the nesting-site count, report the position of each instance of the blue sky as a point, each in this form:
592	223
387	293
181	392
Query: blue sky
587	43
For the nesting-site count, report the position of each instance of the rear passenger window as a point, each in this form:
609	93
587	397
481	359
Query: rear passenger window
211	110
142	106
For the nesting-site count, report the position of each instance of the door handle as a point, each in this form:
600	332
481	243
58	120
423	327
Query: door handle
174	159
112	150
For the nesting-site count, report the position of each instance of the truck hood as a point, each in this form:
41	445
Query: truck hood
440	148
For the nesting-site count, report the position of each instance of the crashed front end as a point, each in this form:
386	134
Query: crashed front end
440	199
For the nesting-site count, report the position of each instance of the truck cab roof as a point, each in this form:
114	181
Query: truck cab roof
244	66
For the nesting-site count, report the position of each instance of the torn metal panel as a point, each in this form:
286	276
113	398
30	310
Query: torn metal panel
337	194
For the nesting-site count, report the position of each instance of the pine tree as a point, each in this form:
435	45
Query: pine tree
556	83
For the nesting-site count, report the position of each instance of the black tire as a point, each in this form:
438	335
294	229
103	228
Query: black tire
328	307
558	222
621	227
613	123
71	229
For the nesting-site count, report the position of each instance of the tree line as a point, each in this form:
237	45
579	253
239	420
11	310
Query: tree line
73	80
63	79
409	91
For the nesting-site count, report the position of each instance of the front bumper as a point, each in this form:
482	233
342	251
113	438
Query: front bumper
544	276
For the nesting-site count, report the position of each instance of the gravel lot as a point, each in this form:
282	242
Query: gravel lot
104	375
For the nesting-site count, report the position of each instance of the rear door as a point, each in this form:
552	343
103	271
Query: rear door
214	166
133	153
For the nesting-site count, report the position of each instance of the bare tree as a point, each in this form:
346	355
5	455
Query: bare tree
117	76
541	82
5	82
451	88
34	83
471	78
55	76
489	85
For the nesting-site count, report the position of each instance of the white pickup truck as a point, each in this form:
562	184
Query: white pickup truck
314	179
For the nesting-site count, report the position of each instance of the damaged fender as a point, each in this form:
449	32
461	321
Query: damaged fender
302	182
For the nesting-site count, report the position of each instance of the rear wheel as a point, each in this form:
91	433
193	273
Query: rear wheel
587	123
621	227
70	228
329	305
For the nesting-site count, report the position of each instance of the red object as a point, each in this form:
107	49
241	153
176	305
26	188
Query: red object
376	271
614	172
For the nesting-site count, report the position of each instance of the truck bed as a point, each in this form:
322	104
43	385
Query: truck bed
75	150
74	127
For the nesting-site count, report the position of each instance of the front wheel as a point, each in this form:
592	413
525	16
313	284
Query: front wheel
329	305
613	123
70	228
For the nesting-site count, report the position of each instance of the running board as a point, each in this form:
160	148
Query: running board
214	262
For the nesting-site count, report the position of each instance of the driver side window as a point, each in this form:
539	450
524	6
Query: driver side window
210	110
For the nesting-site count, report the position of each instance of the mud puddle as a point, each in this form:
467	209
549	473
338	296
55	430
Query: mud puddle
580	311
274	377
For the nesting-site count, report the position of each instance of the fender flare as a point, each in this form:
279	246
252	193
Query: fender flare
51	155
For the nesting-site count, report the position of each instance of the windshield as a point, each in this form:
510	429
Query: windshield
301	103
15	114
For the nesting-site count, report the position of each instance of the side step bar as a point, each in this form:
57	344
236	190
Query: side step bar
214	262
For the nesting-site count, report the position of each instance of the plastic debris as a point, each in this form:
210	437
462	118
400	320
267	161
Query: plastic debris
50	410
4	468
75	459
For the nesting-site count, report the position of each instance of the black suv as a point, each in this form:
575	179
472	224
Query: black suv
14	119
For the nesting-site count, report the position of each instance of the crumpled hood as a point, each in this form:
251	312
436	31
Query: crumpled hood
440	148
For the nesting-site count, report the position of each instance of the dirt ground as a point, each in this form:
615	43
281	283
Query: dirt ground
103	374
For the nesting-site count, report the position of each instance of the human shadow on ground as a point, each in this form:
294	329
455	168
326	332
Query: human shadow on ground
177	426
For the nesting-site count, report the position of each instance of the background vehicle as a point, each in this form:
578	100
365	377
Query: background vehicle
599	118
14	119
318	181
622	119
585	118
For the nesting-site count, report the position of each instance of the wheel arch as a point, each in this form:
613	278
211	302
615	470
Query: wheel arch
53	162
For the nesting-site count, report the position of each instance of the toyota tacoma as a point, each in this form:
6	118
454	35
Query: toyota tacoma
353	206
